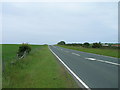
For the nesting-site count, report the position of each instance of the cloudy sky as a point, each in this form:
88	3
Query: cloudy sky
50	22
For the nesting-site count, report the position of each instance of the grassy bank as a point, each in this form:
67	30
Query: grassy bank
100	51
39	69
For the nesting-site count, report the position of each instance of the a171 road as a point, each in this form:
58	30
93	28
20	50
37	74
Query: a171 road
96	71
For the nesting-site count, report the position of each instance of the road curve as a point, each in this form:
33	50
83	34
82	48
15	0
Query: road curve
94	70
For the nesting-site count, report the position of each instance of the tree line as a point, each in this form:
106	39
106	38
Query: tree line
86	44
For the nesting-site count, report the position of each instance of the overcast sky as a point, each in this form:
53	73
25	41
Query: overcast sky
49	23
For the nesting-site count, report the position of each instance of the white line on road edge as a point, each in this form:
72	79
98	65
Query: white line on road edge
102	61
71	71
76	54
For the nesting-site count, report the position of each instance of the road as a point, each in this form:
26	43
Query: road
94	70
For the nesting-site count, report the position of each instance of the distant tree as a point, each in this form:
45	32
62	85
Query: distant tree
86	44
61	43
97	45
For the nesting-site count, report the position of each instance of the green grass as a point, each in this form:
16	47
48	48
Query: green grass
9	51
39	69
101	51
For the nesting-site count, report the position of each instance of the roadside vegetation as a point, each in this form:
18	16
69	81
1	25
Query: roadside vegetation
23	50
96	48
9	51
39	69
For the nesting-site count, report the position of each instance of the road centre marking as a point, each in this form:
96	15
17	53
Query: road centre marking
108	62
93	59
90	58
102	61
76	54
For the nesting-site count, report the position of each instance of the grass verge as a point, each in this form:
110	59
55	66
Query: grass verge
100	51
39	69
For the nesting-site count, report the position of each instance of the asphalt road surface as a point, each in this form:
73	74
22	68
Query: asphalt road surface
94	70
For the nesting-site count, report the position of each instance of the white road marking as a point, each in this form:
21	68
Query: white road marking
99	55
108	62
76	54
71	71
93	59
102	61
90	58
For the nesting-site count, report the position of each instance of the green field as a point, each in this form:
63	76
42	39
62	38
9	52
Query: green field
101	51
9	51
40	69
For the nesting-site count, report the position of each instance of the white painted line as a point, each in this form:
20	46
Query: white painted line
98	55
102	61
76	54
71	71
90	58
73	53
108	62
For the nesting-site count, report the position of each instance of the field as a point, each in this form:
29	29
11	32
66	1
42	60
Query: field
40	69
101	51
9	51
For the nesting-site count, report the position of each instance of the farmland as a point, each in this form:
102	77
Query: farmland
39	69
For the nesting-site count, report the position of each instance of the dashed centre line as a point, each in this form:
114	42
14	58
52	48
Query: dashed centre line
93	59
76	54
90	58
102	61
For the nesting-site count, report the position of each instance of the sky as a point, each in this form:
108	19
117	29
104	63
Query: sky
51	22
